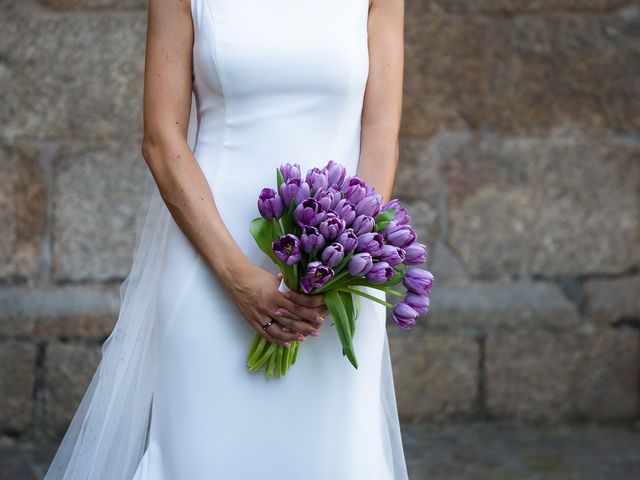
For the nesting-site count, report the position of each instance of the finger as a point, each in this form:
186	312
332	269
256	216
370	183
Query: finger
258	327
297	312
315	320
268	334
303	328
275	330
310	301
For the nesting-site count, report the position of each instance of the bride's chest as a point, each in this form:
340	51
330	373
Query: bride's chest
249	47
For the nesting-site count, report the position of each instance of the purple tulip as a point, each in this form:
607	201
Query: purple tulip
395	203
346	210
349	240
381	272
360	264
401	216
287	249
392	255
400	235
311	239
404	315
418	281
303	193
371	243
316	275
324	200
270	204
416	254
331	226
335	173
289	171
420	303
333	254
293	189
354	189
363	224
327	197
390	226
369	205
317	178
308	213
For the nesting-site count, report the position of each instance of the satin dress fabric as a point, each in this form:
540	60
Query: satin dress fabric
274	82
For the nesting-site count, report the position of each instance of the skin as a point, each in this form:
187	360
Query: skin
382	110
186	191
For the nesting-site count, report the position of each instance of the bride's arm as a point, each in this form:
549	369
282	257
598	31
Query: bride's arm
181	182
167	104
382	107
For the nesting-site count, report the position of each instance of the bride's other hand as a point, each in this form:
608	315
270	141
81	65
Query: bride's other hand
255	293
313	302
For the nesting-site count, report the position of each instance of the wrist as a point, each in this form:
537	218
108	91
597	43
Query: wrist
231	268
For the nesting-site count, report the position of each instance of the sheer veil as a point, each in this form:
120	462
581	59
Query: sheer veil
107	435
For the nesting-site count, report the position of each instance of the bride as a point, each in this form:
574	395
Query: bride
285	81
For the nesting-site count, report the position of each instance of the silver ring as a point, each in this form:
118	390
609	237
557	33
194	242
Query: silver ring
266	325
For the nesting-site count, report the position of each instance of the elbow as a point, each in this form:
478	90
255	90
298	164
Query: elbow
149	148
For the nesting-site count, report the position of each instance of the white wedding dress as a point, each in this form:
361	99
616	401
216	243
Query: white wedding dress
274	82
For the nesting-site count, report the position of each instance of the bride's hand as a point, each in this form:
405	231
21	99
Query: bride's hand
255	293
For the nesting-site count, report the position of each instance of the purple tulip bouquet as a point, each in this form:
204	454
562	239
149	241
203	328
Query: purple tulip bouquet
329	234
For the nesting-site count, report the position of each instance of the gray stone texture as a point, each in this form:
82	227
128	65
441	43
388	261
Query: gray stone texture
486	306
547	207
96	194
23	199
613	300
445	84
530	74
17	377
523	6
549	377
67	311
566	71
69	368
436	376
90	4
79	75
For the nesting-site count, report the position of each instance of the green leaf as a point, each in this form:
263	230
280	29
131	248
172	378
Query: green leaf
336	307
262	232
279	178
383	219
347	300
287	219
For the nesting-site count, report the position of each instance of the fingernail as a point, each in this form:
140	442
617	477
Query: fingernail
319	319
287	344
301	338
314	333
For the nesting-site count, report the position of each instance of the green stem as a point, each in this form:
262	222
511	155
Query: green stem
391	291
365	295
331	283
267	354
256	348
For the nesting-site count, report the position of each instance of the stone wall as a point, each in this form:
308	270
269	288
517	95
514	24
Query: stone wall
520	162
